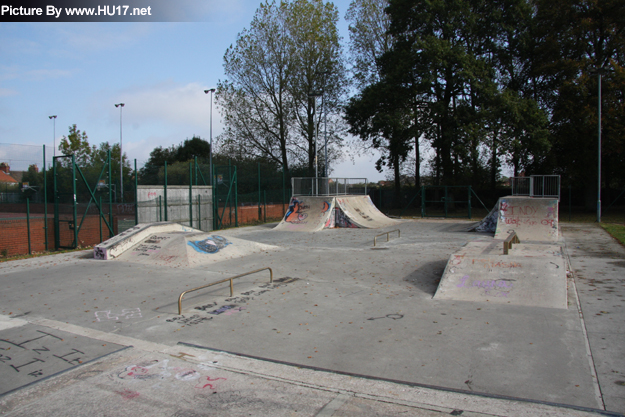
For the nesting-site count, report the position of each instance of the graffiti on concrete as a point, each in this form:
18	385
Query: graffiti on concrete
156	370
44	347
388	316
212	244
297	212
126	314
496	288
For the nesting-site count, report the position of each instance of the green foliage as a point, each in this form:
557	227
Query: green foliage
76	143
574	39
454	75
290	51
153	173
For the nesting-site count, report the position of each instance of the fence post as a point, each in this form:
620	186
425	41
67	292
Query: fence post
283	193
570	202
45	198
265	203
259	200
190	194
28	221
423	201
236	199
199	211
136	196
100	218
75	202
469	202
108	157
165	191
56	205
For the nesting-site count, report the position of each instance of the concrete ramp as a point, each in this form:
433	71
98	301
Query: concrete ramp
190	249
531	275
308	214
361	211
117	245
533	219
312	214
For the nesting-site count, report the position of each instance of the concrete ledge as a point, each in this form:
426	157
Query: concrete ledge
117	245
531	275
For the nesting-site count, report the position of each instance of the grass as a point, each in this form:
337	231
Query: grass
616	230
39	254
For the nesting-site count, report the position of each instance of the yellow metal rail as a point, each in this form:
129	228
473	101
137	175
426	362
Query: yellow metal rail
387	235
507	244
219	282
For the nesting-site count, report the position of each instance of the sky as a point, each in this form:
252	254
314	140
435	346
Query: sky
78	71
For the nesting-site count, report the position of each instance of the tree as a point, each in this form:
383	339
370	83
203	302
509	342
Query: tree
76	143
369	39
575	38
290	52
153	170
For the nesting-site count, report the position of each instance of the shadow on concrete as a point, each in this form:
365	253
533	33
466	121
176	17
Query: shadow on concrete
427	276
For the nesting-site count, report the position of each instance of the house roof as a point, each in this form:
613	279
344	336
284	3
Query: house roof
6	178
17	175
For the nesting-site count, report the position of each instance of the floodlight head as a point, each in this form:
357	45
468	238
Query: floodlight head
120	104
52	117
212	90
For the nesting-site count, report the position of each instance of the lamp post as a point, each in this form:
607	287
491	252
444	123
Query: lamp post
599	71
210	155
599	151
53	117
121	154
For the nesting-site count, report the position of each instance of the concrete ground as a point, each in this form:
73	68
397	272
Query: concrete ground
344	329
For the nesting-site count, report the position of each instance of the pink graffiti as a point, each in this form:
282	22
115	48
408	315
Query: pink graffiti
208	378
128	394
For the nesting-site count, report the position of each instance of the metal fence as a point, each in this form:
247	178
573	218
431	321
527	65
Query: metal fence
536	186
321	186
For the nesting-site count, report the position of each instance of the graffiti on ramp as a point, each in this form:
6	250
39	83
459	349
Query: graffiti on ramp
211	244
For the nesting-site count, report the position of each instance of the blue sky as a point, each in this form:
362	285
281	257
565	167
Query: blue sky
78	71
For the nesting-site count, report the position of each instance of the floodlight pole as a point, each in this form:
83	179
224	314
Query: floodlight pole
53	117
210	155
599	152
121	154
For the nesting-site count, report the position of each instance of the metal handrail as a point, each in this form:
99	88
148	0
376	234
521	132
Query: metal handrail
219	282
507	244
387	235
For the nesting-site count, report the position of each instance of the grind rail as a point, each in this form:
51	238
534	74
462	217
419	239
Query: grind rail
219	282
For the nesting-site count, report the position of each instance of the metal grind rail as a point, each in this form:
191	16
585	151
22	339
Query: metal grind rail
219	282
507	244
387	235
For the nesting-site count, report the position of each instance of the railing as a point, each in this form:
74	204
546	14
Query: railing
507	244
536	186
387	235
324	186
219	282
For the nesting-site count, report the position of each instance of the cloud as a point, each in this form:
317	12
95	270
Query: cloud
7	92
87	38
165	104
15	72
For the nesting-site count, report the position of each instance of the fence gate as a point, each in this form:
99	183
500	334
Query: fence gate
71	191
446	201
225	197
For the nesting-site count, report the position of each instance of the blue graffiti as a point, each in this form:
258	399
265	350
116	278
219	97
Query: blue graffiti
211	244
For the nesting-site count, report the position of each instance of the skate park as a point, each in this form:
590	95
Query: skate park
417	316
